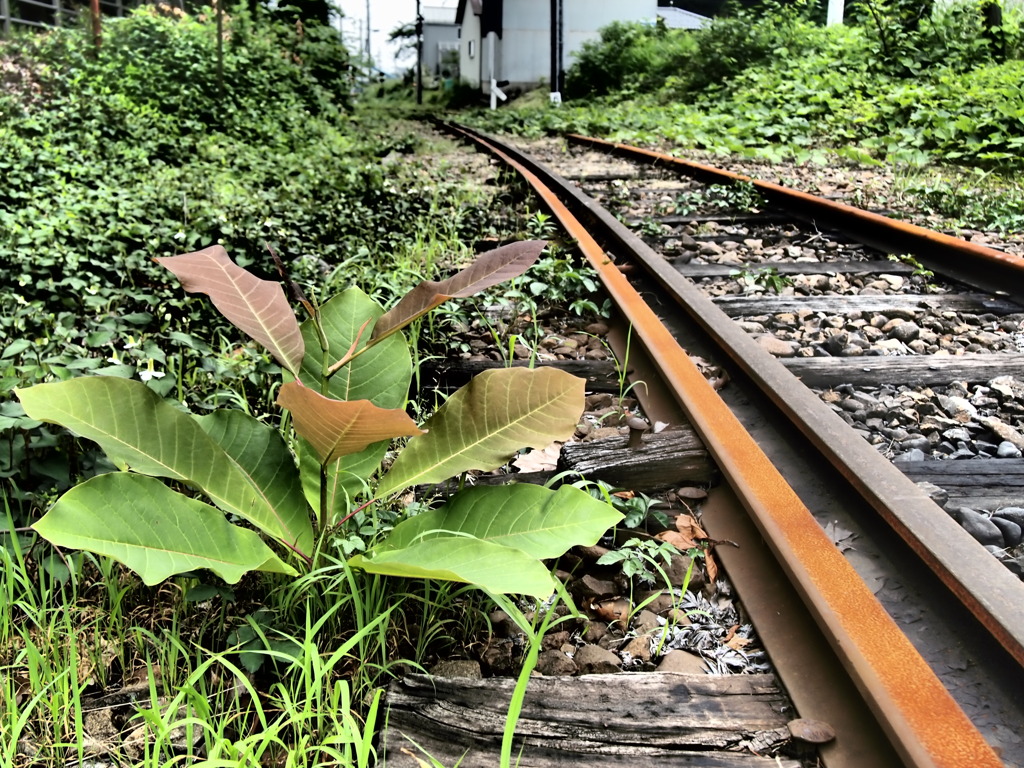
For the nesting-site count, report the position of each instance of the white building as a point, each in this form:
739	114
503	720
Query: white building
522	42
440	41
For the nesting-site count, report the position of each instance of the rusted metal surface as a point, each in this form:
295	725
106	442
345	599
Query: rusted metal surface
804	660
924	724
985	267
983	585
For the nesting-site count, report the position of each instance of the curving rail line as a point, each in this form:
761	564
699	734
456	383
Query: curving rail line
921	722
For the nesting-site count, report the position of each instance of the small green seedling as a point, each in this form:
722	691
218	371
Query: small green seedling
765	278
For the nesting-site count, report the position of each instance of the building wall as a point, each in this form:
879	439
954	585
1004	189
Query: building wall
583	19
526	42
436	39
470	54
523	54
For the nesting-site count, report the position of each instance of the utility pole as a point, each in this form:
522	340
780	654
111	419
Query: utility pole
557	43
419	54
369	55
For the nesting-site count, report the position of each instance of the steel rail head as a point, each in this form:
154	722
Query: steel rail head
988	268
987	589
923	722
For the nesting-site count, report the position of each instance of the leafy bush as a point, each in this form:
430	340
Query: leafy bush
110	161
629	56
774	84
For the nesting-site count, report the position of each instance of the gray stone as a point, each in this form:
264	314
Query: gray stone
594	631
958	408
1008	450
592	586
646	621
1016	514
594	660
749	327
905	332
777	347
1004	431
502	624
917	443
661	602
914	454
835	344
677	569
683	661
979	526
1012	535
638	648
554	663
939	495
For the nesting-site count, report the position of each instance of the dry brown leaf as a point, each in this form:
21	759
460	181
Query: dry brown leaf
711	566
616	609
677	540
544	460
419	763
738	643
624	494
689	527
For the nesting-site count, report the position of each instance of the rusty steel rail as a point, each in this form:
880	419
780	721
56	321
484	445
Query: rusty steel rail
923	723
970	263
987	589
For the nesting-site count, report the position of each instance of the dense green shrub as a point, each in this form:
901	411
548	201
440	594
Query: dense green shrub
628	57
109	160
775	84
632	57
910	37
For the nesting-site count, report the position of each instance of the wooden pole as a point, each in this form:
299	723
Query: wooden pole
97	24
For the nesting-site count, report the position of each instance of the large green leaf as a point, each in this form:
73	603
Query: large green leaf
258	307
336	428
262	456
381	375
156	532
489	269
139	429
483	424
530	518
494	537
471	561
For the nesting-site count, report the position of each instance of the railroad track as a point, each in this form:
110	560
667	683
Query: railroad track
910	644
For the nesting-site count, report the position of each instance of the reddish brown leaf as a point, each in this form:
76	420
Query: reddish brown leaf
491	268
677	540
689	527
711	566
336	428
616	609
258	307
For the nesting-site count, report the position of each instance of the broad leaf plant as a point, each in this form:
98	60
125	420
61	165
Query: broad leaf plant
259	497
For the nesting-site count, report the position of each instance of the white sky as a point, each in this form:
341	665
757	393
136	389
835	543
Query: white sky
385	15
